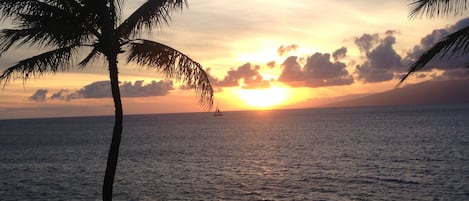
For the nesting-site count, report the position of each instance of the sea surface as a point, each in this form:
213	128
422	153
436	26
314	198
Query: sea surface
380	153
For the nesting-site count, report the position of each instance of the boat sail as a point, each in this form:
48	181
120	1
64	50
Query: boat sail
217	112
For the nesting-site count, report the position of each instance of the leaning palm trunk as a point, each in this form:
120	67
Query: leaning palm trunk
116	133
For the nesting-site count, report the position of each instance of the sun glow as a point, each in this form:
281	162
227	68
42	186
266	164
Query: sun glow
264	98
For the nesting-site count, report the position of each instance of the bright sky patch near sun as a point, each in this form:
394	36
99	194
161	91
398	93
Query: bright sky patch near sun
264	98
240	43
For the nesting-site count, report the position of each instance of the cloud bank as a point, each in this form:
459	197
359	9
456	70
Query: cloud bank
102	89
447	63
380	61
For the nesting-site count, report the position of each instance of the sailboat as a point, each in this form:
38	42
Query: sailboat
217	112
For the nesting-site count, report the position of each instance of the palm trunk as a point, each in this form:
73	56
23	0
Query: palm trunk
117	131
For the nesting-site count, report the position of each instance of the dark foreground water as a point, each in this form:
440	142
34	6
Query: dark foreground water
392	153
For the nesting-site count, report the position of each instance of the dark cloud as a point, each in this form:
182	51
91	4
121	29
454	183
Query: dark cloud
39	95
382	63
442	63
99	89
246	76
381	58
102	89
318	71
426	43
285	49
431	39
391	32
271	64
366	42
292	71
139	89
368	74
460	73
459	25
319	66
339	54
65	95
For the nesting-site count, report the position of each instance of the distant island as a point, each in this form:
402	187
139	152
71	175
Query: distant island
424	93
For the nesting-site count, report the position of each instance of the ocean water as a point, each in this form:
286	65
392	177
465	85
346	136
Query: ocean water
381	153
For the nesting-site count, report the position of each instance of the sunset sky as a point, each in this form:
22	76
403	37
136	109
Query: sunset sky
261	55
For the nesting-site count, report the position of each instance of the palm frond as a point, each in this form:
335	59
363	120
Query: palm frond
435	8
106	11
41	36
8	37
92	56
152	13
454	44
48	25
173	64
115	6
9	8
48	62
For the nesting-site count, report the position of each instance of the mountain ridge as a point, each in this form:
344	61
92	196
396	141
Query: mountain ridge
424	93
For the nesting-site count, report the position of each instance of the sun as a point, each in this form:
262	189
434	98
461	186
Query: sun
263	98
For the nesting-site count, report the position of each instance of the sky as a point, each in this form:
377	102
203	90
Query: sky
259	55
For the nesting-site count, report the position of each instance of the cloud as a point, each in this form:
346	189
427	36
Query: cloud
102	89
460	73
65	95
339	54
447	63
39	95
139	89
382	61
246	76
283	50
318	71
99	89
271	64
366	42
292	71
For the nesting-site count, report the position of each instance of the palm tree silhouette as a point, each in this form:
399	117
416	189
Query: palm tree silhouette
456	43
66	27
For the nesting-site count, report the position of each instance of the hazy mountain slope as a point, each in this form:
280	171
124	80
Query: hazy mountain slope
429	92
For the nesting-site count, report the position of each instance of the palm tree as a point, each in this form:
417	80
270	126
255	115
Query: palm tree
456	43
63	28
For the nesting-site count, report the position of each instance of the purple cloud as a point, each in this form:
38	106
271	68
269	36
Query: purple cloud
246	76
381	58
39	95
102	89
285	49
446	63
318	71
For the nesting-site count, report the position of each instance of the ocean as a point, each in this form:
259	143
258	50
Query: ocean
375	153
